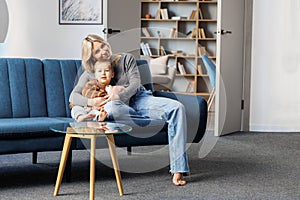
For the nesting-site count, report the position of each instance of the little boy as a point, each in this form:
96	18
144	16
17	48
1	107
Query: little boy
103	71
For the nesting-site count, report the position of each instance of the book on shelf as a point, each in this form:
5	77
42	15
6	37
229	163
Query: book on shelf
199	12
201	33
145	49
162	51
196	14
193	33
190	86
157	15
164	13
193	14
148	49
146	32
181	68
172	33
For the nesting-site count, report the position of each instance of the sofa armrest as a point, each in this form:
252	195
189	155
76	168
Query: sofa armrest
196	112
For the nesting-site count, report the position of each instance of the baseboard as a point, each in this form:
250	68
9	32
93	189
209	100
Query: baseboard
274	128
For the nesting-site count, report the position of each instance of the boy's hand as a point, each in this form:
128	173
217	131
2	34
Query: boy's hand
109	98
112	94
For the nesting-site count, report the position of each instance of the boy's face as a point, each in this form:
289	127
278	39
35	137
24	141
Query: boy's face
104	72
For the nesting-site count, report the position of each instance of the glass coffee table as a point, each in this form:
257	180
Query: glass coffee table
90	130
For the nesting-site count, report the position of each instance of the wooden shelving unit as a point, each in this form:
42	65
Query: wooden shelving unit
191	15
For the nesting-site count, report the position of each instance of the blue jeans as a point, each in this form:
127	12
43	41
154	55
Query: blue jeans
145	105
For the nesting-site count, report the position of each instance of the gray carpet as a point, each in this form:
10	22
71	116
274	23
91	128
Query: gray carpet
237	166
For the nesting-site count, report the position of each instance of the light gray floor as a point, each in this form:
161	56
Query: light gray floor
238	166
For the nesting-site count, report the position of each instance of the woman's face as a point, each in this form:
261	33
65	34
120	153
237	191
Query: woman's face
101	51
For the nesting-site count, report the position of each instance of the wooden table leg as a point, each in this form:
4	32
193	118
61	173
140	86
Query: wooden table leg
92	167
113	154
62	165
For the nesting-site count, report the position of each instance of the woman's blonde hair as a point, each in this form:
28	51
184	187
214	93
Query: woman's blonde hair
87	46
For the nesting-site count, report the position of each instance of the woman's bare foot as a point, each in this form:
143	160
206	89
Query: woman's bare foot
82	118
178	179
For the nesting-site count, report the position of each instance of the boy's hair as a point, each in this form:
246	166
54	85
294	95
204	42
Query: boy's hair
110	61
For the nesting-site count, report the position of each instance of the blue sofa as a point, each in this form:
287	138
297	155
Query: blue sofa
34	95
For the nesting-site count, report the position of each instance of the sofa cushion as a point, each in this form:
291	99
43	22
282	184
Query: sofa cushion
28	127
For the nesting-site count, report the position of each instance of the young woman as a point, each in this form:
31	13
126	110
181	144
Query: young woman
130	99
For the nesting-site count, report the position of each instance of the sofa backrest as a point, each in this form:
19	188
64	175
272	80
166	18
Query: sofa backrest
146	78
22	90
31	87
60	76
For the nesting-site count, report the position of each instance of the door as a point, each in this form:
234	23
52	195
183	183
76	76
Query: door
230	62
121	25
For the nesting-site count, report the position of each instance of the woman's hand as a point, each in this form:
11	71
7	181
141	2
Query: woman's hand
113	92
114	89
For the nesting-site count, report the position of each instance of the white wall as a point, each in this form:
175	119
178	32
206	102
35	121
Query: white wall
34	31
275	96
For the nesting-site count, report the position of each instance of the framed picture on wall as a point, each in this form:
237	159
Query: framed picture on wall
80	12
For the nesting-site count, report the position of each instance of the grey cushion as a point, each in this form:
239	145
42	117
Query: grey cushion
158	66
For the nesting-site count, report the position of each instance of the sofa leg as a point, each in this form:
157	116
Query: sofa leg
34	157
129	150
69	167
